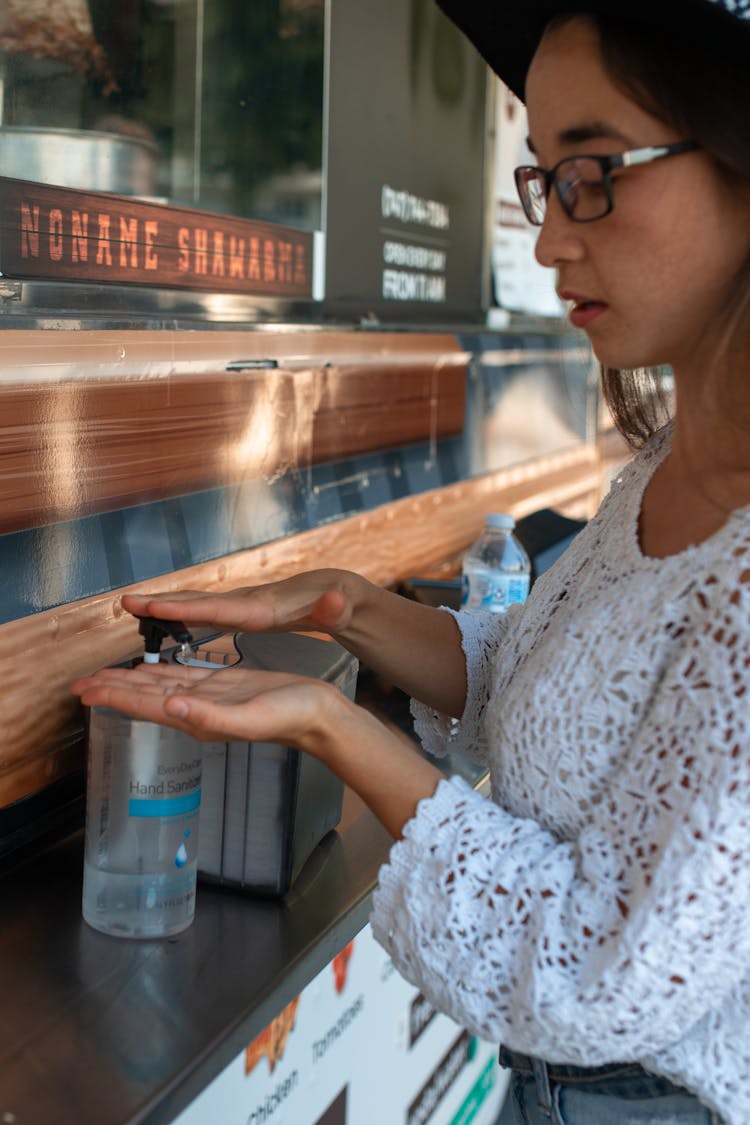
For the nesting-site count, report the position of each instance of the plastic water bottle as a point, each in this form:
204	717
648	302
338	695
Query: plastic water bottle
496	569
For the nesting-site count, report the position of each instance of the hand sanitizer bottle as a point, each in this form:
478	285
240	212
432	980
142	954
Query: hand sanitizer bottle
142	804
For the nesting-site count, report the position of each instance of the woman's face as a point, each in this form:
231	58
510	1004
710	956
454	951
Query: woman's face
648	281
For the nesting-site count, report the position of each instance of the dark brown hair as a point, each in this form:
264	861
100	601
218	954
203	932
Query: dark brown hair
704	97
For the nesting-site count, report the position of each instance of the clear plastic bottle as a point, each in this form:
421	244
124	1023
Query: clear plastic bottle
142	806
496	569
143	795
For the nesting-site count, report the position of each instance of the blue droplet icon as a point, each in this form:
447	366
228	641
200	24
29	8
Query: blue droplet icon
181	857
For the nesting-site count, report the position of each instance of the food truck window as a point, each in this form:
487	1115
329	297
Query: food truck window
335	156
212	105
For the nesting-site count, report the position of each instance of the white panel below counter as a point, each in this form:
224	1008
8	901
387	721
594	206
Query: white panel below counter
358	1046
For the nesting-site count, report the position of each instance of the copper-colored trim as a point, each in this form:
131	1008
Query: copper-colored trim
150	417
39	355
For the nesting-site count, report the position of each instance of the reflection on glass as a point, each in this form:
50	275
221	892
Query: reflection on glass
215	104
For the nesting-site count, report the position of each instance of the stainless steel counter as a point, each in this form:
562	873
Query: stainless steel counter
101	1031
96	1030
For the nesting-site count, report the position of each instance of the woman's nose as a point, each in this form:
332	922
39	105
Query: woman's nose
559	238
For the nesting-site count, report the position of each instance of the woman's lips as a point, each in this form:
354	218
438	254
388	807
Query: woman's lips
583	312
584	309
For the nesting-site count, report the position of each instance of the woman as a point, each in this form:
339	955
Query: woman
595	913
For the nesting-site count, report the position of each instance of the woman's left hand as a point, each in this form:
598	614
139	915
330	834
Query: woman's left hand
259	706
214	706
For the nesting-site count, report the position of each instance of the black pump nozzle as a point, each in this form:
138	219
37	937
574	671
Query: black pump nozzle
154	630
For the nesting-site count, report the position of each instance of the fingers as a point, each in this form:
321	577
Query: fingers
139	691
153	693
190	606
310	600
160	676
225	685
141	701
210	706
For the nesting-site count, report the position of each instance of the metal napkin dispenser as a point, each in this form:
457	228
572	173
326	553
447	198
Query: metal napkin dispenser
266	807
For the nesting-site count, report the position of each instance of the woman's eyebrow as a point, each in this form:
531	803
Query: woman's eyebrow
588	131
592	131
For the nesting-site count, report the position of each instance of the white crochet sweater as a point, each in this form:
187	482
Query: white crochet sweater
598	908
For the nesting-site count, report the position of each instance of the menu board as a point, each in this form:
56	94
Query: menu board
358	1045
404	166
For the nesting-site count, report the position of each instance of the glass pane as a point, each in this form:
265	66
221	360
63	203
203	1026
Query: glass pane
262	109
216	105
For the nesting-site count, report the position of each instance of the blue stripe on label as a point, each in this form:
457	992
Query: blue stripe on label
170	806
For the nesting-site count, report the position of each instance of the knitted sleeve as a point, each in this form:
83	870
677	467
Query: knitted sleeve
607	945
482	635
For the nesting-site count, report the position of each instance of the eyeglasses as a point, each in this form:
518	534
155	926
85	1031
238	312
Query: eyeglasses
583	183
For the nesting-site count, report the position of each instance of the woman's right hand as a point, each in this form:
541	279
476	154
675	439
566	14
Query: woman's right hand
319	600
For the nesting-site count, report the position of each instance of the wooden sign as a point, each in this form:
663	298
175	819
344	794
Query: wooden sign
62	234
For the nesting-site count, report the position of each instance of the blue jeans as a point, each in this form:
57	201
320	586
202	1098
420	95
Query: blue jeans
617	1094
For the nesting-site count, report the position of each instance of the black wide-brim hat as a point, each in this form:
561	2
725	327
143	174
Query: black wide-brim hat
507	32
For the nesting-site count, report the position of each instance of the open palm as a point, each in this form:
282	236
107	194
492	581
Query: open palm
231	703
